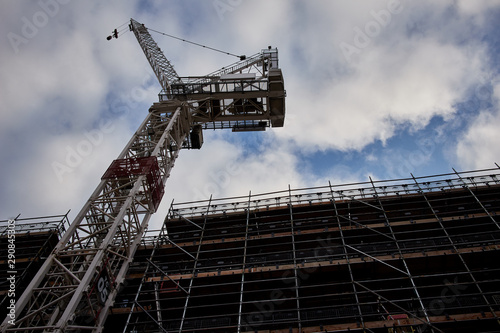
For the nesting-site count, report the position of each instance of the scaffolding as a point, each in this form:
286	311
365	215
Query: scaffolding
33	238
407	255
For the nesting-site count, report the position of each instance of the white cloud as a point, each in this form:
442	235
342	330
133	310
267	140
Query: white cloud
477	8
224	169
478	147
68	77
395	81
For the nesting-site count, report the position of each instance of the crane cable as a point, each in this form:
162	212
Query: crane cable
197	44
115	34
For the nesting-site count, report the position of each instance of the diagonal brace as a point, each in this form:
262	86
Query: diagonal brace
162	272
378	260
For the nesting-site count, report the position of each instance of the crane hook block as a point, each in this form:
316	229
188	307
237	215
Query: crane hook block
115	35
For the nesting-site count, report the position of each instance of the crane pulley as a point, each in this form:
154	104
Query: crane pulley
77	284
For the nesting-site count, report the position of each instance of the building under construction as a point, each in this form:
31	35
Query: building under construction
410	255
33	240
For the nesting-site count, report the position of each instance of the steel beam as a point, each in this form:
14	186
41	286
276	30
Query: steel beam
194	268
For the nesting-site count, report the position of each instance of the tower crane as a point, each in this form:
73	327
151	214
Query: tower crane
78	282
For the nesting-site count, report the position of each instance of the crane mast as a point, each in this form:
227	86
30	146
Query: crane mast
78	282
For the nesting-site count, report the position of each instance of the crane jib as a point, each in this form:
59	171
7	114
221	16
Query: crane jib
76	286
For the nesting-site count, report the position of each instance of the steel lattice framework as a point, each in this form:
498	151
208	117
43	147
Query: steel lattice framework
78	282
164	71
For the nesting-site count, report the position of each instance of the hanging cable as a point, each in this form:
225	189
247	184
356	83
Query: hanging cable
115	33
242	57
126	23
124	30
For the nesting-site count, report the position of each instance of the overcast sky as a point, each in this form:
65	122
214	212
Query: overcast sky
374	88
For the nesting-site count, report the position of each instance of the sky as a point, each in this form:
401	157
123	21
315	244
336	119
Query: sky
381	89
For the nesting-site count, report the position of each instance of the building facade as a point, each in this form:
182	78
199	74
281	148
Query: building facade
412	255
408	255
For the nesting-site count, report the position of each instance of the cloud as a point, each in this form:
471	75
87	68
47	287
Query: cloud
227	168
404	90
66	79
230	167
478	147
477	8
394	82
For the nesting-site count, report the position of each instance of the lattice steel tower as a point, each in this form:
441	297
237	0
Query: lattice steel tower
77	284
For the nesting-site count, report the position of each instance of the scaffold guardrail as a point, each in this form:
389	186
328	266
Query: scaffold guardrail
340	192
